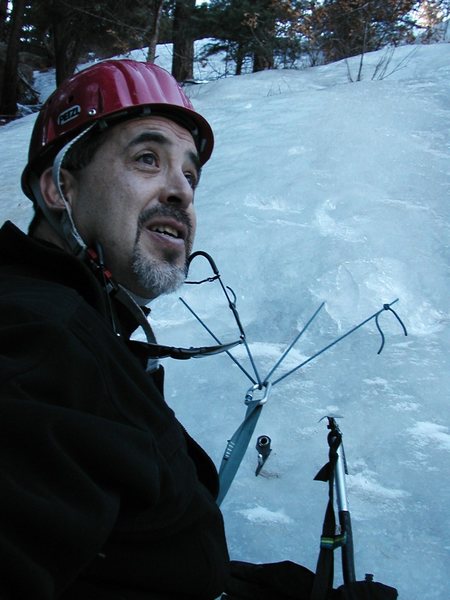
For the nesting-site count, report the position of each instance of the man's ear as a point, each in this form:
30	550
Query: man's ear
50	192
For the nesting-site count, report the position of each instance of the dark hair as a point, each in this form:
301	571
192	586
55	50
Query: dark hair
82	152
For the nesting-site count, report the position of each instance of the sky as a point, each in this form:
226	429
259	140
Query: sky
320	191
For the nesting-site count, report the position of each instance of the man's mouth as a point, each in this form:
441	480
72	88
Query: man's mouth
166	230
169	229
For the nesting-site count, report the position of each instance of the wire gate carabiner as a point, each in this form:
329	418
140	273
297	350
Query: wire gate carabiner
265	388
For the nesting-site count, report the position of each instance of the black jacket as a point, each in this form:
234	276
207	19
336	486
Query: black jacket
102	493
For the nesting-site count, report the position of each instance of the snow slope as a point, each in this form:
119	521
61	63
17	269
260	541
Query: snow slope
322	190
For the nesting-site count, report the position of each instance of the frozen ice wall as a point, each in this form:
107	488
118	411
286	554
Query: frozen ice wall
323	190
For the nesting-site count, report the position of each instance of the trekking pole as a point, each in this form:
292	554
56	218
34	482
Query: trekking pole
335	441
333	473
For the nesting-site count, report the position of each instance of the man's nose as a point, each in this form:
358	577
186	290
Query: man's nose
178	190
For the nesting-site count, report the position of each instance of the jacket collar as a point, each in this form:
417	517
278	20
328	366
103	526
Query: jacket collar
42	260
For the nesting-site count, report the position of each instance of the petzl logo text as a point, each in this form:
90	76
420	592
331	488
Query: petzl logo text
69	114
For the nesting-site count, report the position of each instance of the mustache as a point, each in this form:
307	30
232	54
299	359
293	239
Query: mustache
173	212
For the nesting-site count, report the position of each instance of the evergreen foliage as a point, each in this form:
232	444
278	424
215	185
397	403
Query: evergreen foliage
66	30
257	30
253	34
338	29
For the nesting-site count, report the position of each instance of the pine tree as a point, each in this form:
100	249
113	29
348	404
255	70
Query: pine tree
3	16
9	84
66	30
183	40
344	28
431	13
152	35
257	30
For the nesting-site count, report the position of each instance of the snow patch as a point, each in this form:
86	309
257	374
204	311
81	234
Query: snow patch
261	514
427	433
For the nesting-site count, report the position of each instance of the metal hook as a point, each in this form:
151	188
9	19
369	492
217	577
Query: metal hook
233	295
387	307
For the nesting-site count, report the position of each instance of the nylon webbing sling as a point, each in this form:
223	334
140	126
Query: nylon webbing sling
238	444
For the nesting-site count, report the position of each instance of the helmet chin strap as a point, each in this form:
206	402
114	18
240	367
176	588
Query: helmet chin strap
65	224
62	223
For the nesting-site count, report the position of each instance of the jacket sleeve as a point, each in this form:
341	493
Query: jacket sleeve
63	460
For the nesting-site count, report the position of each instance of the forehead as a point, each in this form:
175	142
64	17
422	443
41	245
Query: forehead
175	136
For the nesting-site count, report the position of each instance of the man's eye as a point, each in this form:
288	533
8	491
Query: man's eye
192	179
148	158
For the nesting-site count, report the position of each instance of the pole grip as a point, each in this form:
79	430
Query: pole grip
348	562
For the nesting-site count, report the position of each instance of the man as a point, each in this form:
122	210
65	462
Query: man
104	495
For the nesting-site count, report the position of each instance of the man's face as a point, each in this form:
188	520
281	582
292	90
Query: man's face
136	199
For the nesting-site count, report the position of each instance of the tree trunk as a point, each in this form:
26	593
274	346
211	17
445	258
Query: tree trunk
3	15
152	38
183	41
240	55
9	88
66	43
262	61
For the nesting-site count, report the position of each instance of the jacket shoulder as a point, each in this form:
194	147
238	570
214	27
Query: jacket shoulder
37	298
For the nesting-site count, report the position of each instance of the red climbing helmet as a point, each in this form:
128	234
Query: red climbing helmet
110	90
